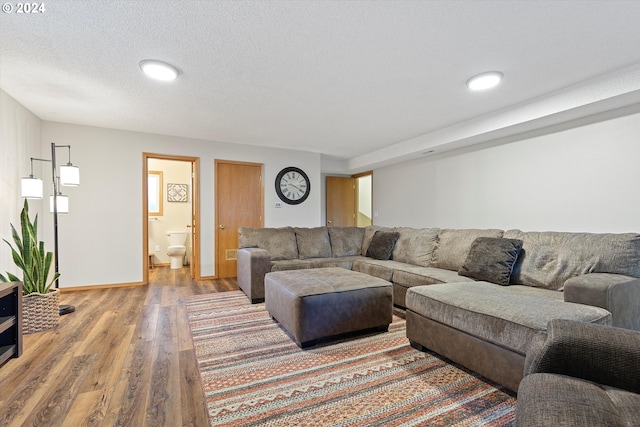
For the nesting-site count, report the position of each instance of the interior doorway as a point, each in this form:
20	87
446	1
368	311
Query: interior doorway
171	201
364	199
349	200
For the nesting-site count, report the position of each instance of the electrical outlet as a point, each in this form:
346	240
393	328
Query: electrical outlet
157	248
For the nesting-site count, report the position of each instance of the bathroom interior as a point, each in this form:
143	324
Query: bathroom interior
169	231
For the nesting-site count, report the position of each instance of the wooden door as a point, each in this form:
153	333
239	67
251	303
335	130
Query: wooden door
239	196
195	220
341	201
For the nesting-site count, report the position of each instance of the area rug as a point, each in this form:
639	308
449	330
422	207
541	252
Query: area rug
253	374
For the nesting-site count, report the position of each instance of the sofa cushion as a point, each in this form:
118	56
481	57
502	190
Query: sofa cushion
408	275
301	264
508	316
491	259
279	242
548	258
453	246
382	243
313	242
377	268
346	241
415	246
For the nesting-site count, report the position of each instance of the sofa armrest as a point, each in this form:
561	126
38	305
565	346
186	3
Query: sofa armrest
253	264
616	293
597	353
534	351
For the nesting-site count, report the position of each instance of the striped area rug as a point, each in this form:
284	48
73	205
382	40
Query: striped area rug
254	375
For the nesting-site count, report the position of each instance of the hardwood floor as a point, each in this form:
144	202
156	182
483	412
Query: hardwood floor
124	358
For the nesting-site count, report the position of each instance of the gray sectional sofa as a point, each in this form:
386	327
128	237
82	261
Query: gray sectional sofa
474	296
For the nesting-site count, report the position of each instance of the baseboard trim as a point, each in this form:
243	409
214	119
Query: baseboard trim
107	286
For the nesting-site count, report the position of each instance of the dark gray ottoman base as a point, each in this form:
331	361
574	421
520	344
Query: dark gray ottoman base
324	302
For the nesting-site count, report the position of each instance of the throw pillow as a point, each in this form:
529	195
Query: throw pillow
491	259
369	231
382	244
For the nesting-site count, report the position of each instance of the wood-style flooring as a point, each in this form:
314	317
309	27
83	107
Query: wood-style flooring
124	358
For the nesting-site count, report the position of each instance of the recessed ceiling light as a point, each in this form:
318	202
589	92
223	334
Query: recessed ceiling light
485	80
159	70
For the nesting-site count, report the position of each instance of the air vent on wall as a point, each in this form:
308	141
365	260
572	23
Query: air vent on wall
231	254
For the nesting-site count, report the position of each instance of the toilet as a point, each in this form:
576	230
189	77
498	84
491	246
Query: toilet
176	249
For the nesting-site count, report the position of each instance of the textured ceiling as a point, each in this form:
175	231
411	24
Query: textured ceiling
347	79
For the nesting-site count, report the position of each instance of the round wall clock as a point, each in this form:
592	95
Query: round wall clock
292	185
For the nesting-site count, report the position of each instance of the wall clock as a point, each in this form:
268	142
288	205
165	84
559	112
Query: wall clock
292	185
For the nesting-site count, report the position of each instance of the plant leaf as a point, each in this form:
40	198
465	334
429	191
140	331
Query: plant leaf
30	256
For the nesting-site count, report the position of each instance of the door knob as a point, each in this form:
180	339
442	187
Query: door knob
329	222
221	227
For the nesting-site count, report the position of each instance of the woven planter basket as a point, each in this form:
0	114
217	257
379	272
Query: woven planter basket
40	311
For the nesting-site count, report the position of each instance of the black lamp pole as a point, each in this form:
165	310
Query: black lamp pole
64	308
55	209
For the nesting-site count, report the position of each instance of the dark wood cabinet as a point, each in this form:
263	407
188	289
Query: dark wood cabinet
10	320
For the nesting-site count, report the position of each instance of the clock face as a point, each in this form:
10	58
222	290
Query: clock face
292	185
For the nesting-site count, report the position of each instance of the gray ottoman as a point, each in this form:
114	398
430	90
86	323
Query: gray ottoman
324	302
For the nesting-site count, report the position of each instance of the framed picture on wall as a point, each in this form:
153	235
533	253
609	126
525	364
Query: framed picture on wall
177	193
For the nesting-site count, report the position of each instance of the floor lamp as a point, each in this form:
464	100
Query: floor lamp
58	202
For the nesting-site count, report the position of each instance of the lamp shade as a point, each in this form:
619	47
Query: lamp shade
69	175
63	204
31	187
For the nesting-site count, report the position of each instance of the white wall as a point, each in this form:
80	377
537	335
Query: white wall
101	238
20	139
581	179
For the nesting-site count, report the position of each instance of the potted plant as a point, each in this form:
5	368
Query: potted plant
40	308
